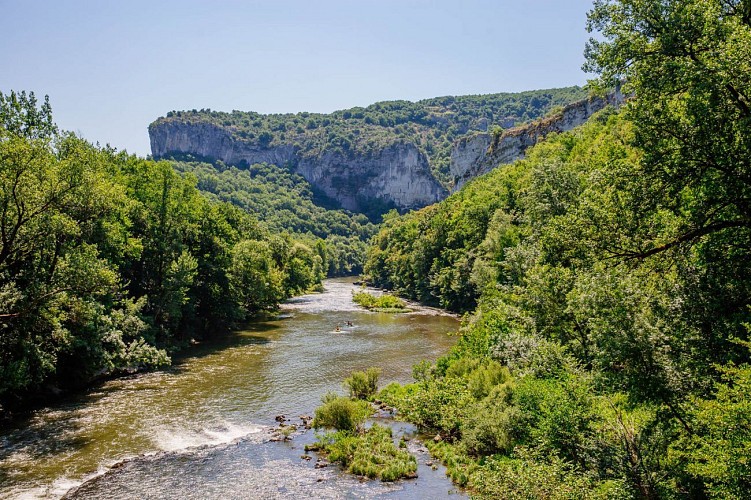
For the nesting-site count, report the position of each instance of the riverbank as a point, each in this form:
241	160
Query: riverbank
210	404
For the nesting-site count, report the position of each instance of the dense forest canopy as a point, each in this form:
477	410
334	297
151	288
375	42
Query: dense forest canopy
607	278
109	262
431	124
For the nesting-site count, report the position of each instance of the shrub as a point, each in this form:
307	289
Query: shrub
437	404
482	380
423	371
559	415
363	385
529	476
364	299
387	301
394	393
384	303
490	428
341	413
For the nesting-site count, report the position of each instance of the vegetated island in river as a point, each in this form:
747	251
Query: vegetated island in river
385	303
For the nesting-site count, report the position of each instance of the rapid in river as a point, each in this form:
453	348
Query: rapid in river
201	429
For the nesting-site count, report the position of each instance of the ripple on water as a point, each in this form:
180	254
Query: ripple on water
173	439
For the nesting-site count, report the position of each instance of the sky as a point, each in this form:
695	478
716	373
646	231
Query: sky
112	67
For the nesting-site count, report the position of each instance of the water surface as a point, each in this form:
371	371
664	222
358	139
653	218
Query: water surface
205	422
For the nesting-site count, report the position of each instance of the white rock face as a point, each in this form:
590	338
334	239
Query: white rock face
398	175
478	154
212	141
467	151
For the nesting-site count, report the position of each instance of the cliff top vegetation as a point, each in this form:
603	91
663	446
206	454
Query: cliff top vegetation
430	124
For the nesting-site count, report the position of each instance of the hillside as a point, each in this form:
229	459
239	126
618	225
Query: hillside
575	353
284	202
607	281
388	155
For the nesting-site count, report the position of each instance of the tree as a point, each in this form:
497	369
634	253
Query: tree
687	64
717	452
20	116
257	282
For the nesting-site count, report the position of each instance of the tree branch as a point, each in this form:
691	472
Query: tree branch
684	238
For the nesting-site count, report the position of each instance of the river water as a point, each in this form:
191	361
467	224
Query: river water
201	429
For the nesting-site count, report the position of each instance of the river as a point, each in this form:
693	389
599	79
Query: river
201	429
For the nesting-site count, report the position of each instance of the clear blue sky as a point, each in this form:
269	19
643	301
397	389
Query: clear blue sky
112	67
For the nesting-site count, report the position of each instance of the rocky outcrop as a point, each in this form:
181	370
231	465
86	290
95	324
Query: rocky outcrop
363	173
207	140
397	174
477	154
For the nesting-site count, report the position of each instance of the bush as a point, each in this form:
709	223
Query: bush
363	385
482	380
490	428
341	413
367	300
530	476
439	404
394	393
387	301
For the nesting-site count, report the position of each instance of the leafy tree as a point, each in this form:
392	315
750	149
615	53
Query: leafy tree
687	63
716	451
107	260
256	280
20	116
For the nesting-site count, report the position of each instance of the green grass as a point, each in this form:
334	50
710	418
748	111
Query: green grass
370	453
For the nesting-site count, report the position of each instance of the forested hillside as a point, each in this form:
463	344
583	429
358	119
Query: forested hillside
285	202
608	281
431	124
109	262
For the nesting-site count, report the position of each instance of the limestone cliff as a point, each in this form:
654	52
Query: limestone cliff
395	174
477	154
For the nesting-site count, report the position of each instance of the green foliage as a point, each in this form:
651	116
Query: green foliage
20	115
485	378
609	272
343	414
439	404
255	279
363	385
383	303
432	125
286	202
108	261
534	476
429	255
370	454
717	448
492	426
395	392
